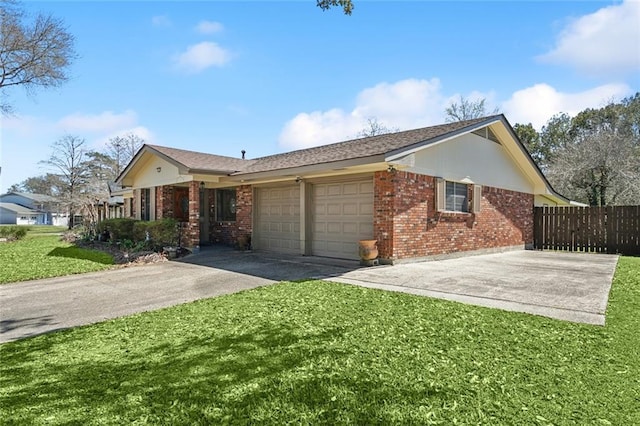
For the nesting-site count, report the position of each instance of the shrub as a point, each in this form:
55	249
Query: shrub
156	234
117	229
13	232
132	233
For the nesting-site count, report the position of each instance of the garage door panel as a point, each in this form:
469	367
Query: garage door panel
366	209
365	229
350	228
350	189
334	190
366	188
278	219
342	215
334	227
350	209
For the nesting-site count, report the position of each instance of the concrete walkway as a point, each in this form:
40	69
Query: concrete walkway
566	286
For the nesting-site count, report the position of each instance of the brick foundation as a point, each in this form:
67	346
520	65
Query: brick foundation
407	225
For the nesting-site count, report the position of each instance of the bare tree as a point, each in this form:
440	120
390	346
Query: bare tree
467	110
601	168
122	149
32	54
374	128
69	160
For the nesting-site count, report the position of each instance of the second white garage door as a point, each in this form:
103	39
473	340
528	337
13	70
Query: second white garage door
342	214
278	219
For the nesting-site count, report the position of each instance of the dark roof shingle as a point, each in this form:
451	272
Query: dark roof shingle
348	150
356	148
200	161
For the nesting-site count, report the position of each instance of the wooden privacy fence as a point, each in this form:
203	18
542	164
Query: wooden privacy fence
614	229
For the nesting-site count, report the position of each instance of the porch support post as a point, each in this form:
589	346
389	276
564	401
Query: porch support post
193	227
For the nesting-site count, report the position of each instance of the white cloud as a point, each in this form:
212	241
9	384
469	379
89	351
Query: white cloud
405	104
209	27
142	132
201	56
39	133
538	103
414	103
162	21
602	43
104	122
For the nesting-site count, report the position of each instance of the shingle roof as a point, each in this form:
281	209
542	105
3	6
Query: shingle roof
42	198
348	150
18	208
200	161
356	148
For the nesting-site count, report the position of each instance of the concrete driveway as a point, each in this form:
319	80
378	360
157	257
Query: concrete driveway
566	286
36	307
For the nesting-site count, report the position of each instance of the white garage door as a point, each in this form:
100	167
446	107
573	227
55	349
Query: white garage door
278	219
342	215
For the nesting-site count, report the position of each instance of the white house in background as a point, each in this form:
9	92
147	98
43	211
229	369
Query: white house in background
14	214
31	209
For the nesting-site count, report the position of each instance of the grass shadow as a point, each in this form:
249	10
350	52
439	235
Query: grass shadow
82	254
228	377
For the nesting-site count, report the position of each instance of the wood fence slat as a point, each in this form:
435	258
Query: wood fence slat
611	229
537	228
611	242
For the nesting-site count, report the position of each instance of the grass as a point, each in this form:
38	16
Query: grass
46	229
45	256
314	352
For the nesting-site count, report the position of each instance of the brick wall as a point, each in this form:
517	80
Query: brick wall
407	224
228	232
244	210
164	201
191	236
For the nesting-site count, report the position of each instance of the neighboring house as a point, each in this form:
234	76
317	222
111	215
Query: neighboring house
14	214
455	187
113	206
48	207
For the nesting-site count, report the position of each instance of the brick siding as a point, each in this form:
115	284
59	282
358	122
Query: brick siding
407	225
228	232
164	201
192	229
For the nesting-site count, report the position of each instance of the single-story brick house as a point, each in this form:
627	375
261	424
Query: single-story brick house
461	186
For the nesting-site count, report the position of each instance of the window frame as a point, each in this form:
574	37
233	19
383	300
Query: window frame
473	197
226	205
145	204
457	191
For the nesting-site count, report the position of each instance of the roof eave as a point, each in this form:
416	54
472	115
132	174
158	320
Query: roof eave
182	169
401	152
309	168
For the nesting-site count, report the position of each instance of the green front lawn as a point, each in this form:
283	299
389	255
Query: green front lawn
314	352
44	256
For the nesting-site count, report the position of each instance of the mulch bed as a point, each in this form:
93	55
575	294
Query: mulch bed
124	257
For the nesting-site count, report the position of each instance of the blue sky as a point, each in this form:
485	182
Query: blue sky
267	77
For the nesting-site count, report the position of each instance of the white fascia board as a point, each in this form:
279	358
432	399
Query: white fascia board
394	155
304	170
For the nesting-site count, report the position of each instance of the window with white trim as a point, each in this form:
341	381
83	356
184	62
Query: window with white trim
457	197
454	197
